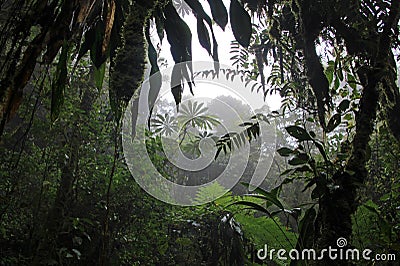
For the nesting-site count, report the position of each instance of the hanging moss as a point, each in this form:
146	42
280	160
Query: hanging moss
129	65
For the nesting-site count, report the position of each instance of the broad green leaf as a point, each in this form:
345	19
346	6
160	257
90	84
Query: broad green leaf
348	117
269	196
241	23
337	84
333	122
296	161
304	168
299	133
219	13
285	152
344	105
178	35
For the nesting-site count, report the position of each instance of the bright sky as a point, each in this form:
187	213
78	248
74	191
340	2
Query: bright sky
224	39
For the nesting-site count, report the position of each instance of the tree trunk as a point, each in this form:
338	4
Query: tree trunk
56	228
338	205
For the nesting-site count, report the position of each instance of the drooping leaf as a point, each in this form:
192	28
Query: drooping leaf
202	30
152	53
180	39
90	36
96	51
198	10
339	74
219	13
299	133
352	81
334	122
241	23
215	54
204	37
253	206
271	196
329	71
306	229
178	35
176	85
159	24
344	105
58	87
299	159
285	152
321	149
99	76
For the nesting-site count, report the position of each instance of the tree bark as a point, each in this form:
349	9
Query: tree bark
338	205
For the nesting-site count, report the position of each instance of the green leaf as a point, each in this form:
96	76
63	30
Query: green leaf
348	117
96	53
58	87
306	229
285	152
253	206
329	73
296	161
219	13
340	74
351	81
241	23
337	84
321	149
197	8
298	132
90	36
152	53
344	105
268	196
178	35
304	168
333	122
99	76
159	24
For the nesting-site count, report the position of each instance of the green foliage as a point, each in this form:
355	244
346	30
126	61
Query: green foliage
262	230
241	23
58	87
210	192
372	230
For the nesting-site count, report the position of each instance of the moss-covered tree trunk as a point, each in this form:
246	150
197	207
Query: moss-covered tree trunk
127	73
377	74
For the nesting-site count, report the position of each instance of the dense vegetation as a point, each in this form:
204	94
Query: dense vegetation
69	69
